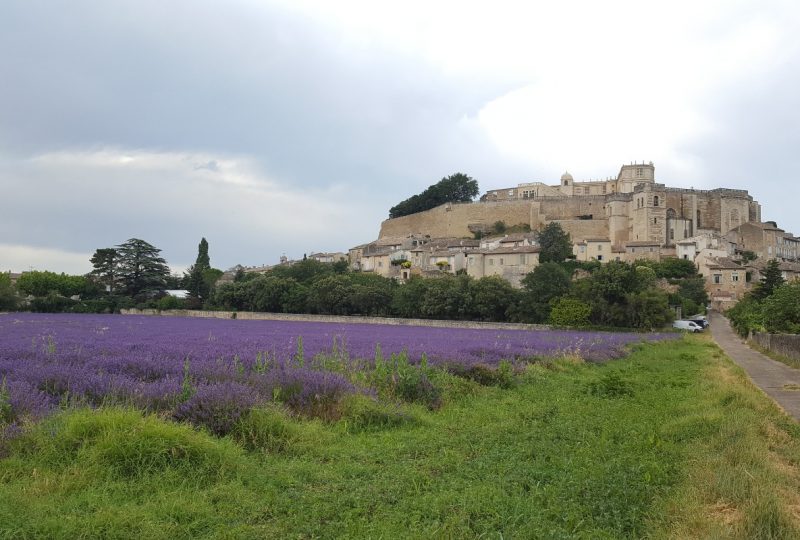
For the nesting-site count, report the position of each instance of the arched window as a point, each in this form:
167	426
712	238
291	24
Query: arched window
655	200
671	213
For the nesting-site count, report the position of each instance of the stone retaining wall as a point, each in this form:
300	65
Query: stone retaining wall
785	344
250	315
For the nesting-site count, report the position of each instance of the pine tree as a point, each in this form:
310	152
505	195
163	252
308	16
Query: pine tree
771	279
105	262
140	268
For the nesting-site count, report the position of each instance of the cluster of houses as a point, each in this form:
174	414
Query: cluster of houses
730	263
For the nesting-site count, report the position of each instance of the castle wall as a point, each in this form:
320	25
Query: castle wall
581	229
453	220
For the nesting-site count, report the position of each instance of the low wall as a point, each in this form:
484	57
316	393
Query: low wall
785	344
259	316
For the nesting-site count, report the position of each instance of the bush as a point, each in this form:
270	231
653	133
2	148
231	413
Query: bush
268	428
217	407
365	413
611	385
570	312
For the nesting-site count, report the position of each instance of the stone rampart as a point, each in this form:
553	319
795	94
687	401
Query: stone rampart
454	219
259	316
785	344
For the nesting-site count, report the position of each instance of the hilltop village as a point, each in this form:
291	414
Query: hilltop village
625	218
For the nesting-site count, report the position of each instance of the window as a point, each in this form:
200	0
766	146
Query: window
734	277
655	200
639	172
491	262
471	261
522	259
599	247
599	257
501	261
672	235
717	278
380	264
655	221
583	249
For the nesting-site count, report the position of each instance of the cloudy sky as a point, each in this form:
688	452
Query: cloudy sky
273	127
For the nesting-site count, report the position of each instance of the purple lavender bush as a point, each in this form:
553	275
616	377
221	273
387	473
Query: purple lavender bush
218	406
210	371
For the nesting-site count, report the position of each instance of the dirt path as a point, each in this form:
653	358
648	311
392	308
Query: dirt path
777	380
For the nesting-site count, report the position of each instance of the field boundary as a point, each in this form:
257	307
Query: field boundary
296	317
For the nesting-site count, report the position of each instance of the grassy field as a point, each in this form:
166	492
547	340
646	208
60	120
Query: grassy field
671	442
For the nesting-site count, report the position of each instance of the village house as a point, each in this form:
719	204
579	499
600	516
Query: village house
593	249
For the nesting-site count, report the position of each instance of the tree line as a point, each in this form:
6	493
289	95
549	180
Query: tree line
569	293
772	306
131	274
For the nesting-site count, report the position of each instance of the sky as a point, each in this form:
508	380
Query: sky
281	128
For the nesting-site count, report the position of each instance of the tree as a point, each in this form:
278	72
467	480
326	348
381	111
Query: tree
771	279
198	285
548	282
782	309
457	187
555	244
649	309
104	263
140	267
490	298
8	297
41	284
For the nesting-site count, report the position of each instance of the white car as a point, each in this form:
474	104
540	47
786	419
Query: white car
689	326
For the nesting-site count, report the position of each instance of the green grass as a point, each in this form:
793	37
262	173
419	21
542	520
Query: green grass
671	442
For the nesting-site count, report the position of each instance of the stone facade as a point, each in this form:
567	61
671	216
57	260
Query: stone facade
631	207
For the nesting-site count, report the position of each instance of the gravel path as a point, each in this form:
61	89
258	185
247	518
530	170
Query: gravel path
777	380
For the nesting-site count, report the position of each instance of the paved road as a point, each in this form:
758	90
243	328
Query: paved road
774	378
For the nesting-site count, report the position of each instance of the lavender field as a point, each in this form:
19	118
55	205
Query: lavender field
210	371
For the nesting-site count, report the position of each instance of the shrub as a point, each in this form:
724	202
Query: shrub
268	428
217	407
366	413
611	385
570	312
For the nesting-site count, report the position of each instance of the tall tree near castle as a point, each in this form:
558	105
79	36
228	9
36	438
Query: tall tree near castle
771	279
556	245
457	187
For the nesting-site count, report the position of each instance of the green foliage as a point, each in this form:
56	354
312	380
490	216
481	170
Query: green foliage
499	227
169	302
771	279
649	310
556	245
38	283
8	295
601	464
548	282
397	378
611	385
104	268
749	256
782	309
570	312
747	316
140	268
457	187
490	298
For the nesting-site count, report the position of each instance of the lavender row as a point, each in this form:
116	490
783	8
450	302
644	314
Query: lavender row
210	371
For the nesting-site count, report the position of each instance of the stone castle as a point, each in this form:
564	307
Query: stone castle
627	211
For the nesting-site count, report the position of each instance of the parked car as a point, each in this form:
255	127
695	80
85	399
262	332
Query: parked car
702	320
689	326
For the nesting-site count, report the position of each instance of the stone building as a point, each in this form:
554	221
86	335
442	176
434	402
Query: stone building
632	207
